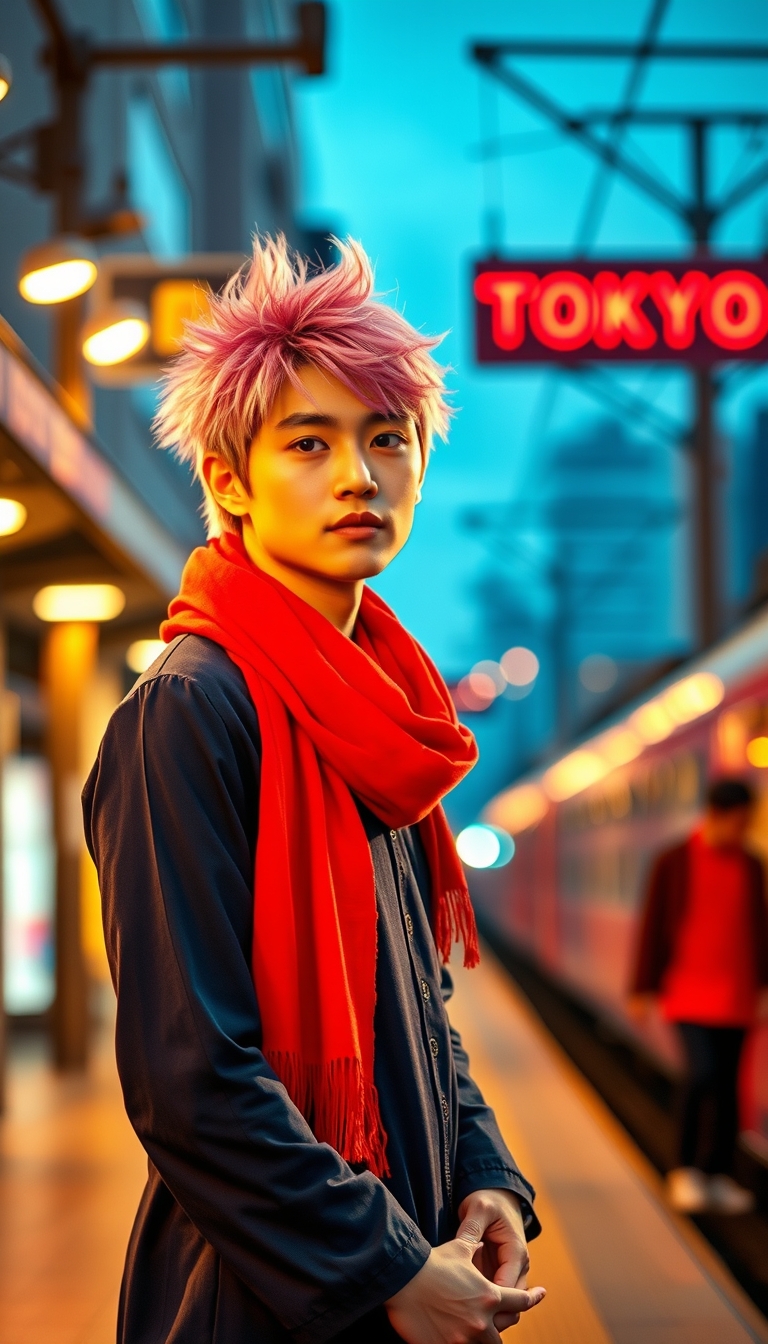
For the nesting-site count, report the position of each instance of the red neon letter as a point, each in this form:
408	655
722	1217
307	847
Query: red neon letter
562	316
678	302
735	311
619	315
507	292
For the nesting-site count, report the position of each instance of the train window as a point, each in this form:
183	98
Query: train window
620	799
688	781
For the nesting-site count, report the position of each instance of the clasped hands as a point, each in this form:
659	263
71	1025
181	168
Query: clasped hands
474	1286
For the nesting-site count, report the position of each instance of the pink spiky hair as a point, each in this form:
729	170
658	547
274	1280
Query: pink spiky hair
272	318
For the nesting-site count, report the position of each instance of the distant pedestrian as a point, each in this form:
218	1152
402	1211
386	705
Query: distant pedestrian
703	954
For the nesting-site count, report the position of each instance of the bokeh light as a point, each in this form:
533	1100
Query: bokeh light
519	808
598	673
13	516
143	652
757	752
520	666
481	846
573	773
78	602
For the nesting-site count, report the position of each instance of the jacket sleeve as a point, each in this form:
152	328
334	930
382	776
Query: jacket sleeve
760	921
170	817
654	943
483	1161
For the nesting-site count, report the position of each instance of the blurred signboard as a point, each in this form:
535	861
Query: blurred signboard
172	292
700	311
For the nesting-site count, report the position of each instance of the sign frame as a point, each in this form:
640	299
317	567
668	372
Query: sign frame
137	276
695	310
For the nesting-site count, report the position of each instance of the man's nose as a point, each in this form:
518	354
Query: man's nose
353	475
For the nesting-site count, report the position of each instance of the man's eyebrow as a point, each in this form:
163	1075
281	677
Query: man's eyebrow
306	419
300	419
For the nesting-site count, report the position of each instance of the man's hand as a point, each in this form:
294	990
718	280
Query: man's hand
493	1219
450	1302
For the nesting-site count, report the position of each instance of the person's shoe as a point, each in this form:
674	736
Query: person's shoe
726	1196
688	1190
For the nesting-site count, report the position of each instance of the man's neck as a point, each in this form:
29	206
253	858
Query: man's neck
338	601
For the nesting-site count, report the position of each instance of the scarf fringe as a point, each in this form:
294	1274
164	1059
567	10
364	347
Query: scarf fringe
455	923
339	1104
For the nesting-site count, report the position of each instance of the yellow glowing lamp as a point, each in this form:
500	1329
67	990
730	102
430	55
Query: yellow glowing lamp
58	270
757	752
13	516
696	695
6	78
574	773
518	808
143	652
116	332
78	602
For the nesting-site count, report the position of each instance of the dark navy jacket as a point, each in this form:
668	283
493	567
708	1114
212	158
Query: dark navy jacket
249	1230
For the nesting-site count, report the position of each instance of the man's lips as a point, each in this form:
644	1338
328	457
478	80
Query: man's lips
361	525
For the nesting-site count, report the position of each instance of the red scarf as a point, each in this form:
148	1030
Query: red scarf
339	718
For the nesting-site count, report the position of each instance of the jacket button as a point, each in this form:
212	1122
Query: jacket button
393	835
425	992
434	1047
408	924
446	1111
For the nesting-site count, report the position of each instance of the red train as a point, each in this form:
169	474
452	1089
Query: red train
587	827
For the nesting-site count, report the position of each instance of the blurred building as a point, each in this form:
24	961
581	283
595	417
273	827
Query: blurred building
205	156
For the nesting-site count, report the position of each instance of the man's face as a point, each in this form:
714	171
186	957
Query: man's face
723	829
332	484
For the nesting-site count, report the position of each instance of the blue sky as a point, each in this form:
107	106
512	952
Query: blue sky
389	140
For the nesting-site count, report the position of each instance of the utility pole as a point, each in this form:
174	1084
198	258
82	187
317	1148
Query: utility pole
703	444
697	211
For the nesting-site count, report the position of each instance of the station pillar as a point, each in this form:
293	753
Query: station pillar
69	660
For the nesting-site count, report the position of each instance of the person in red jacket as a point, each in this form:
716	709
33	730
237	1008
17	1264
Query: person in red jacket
703	955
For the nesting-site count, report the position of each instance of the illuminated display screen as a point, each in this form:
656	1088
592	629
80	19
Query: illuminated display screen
29	885
700	311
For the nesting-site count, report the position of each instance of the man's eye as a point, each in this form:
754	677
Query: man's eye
309	445
388	440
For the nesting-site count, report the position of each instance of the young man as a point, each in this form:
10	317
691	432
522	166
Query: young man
279	882
703	952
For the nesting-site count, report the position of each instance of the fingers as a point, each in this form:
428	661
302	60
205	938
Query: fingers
514	1300
504	1321
490	1336
470	1229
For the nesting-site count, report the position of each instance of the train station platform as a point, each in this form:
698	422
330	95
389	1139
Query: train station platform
618	1266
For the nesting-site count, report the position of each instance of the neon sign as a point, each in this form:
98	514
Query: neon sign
698	312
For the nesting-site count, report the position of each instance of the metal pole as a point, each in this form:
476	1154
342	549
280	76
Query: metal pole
705	549
69	63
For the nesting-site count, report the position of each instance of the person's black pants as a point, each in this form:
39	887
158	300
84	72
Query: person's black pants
711	1085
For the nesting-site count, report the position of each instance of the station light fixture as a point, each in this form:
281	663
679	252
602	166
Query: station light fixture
13	516
6	78
116	332
78	602
143	652
57	270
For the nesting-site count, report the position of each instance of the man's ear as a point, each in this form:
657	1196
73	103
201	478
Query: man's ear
225	485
